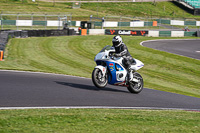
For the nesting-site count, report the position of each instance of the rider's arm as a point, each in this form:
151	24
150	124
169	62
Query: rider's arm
123	52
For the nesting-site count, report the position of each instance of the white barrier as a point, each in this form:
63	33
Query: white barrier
137	24
75	29
54	23
176	22
177	33
197	23
24	22
96	31
153	34
78	23
0	22
110	24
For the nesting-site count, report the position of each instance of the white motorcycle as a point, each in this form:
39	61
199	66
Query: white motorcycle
110	70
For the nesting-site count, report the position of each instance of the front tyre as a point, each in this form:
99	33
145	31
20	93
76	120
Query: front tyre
98	79
136	87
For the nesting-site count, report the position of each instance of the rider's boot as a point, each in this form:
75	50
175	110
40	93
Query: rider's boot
129	75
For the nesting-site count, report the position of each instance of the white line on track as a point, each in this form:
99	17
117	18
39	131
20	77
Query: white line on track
96	107
198	51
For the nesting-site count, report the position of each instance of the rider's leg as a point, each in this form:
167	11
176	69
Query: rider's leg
129	73
130	61
127	62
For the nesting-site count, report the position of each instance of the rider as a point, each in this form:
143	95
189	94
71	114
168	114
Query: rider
121	50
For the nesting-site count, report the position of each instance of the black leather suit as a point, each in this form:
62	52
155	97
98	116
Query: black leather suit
122	51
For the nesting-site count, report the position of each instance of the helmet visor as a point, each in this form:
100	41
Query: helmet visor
115	43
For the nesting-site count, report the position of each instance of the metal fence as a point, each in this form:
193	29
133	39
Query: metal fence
34	21
20	21
147	23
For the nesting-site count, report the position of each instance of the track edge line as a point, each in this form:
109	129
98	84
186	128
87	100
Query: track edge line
97	107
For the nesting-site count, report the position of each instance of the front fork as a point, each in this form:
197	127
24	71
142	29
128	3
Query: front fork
103	70
132	77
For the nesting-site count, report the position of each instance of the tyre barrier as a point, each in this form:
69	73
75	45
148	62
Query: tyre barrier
43	33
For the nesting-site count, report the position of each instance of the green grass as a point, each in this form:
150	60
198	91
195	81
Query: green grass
133	9
74	55
98	120
143	9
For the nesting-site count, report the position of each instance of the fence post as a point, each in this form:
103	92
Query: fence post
120	22
32	21
58	22
1	22
17	19
45	21
70	18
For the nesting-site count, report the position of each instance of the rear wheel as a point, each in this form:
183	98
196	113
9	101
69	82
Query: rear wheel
98	79
136	87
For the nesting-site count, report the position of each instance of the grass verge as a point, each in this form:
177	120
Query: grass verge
128	9
73	55
98	120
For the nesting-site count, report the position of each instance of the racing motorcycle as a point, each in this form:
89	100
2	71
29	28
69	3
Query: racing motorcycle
110	70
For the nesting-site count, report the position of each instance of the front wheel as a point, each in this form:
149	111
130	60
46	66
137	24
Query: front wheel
136	87
98	79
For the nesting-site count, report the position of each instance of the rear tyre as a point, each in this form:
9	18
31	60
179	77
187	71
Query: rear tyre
98	79
136	87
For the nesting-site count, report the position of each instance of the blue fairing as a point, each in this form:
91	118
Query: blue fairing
112	66
119	68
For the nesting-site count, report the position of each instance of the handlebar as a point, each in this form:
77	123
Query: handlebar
111	55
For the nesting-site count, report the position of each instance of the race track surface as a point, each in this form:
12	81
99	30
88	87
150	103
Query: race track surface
25	89
189	48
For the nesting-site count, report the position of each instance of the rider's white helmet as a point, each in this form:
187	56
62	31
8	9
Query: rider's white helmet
117	41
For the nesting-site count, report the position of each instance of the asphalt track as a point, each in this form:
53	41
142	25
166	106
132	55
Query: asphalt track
25	89
40	90
189	48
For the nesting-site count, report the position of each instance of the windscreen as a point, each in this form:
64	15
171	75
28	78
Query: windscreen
108	47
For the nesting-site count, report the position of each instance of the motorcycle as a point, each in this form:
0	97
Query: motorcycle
110	70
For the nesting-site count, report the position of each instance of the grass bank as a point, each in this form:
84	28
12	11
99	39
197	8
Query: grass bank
128	9
74	55
98	120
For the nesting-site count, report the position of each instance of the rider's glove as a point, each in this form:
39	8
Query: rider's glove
117	55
